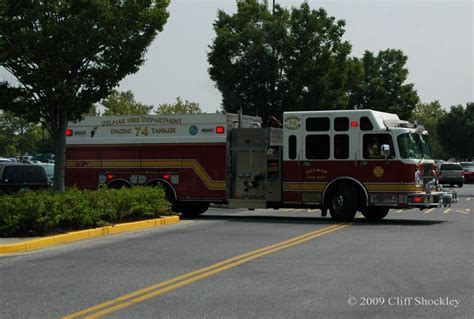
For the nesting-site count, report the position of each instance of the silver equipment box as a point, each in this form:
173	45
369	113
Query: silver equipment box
255	167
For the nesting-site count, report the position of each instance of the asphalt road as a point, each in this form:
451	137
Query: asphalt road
412	264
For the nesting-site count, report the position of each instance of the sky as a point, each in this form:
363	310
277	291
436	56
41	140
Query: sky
437	37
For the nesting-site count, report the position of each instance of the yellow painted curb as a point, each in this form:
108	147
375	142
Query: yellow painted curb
85	234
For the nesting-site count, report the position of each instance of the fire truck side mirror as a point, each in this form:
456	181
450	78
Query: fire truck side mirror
385	150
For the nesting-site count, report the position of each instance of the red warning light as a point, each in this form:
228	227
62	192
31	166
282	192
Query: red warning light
220	130
354	123
68	132
167	176
418	199
109	176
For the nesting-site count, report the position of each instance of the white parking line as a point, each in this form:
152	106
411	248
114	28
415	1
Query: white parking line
468	199
447	211
297	210
428	211
462	212
468	209
312	210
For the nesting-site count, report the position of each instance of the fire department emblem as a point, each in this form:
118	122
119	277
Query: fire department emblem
292	123
378	171
193	130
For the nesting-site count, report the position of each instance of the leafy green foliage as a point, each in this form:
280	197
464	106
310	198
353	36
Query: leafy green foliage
18	136
456	132
180	107
38	213
123	103
382	86
68	55
429	115
290	60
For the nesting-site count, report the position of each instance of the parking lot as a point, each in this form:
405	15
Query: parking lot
263	263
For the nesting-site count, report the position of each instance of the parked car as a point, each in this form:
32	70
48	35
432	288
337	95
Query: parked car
468	171
20	177
44	158
4	160
451	173
49	169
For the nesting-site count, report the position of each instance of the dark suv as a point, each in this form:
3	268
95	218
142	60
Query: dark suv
451	173
22	177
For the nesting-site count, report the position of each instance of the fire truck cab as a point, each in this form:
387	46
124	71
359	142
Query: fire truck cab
342	161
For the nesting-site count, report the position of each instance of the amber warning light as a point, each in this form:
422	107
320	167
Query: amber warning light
68	132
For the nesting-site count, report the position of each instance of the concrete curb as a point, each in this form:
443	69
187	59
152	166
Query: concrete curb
85	234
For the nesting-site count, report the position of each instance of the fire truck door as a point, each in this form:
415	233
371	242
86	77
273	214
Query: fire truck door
377	171
292	155
315	164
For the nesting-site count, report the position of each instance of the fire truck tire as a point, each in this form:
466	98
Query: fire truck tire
375	213
192	210
343	202
118	185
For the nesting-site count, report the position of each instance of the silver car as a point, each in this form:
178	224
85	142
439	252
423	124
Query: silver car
451	173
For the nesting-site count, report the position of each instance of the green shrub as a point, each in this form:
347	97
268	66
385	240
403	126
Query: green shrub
45	212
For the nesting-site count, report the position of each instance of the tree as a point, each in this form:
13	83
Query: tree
290	60
123	103
18	136
382	86
456	132
179	107
68	55
429	114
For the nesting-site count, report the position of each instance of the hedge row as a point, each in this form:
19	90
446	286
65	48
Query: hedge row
46	212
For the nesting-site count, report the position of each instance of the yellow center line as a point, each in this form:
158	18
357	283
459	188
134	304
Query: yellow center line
186	279
447	211
429	211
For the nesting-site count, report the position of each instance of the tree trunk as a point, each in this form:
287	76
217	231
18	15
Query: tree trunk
60	152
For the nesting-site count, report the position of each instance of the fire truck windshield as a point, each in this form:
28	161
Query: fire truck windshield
413	145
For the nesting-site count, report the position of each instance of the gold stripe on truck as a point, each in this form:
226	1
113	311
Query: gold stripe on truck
137	164
371	187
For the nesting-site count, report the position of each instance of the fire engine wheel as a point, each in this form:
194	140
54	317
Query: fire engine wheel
118	185
375	213
192	210
343	203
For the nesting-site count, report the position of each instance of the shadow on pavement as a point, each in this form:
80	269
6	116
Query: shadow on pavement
318	220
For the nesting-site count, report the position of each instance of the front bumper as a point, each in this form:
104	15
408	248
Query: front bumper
433	199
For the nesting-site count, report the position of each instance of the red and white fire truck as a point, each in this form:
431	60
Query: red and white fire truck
344	161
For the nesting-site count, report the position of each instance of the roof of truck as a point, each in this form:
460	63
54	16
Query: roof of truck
146	129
